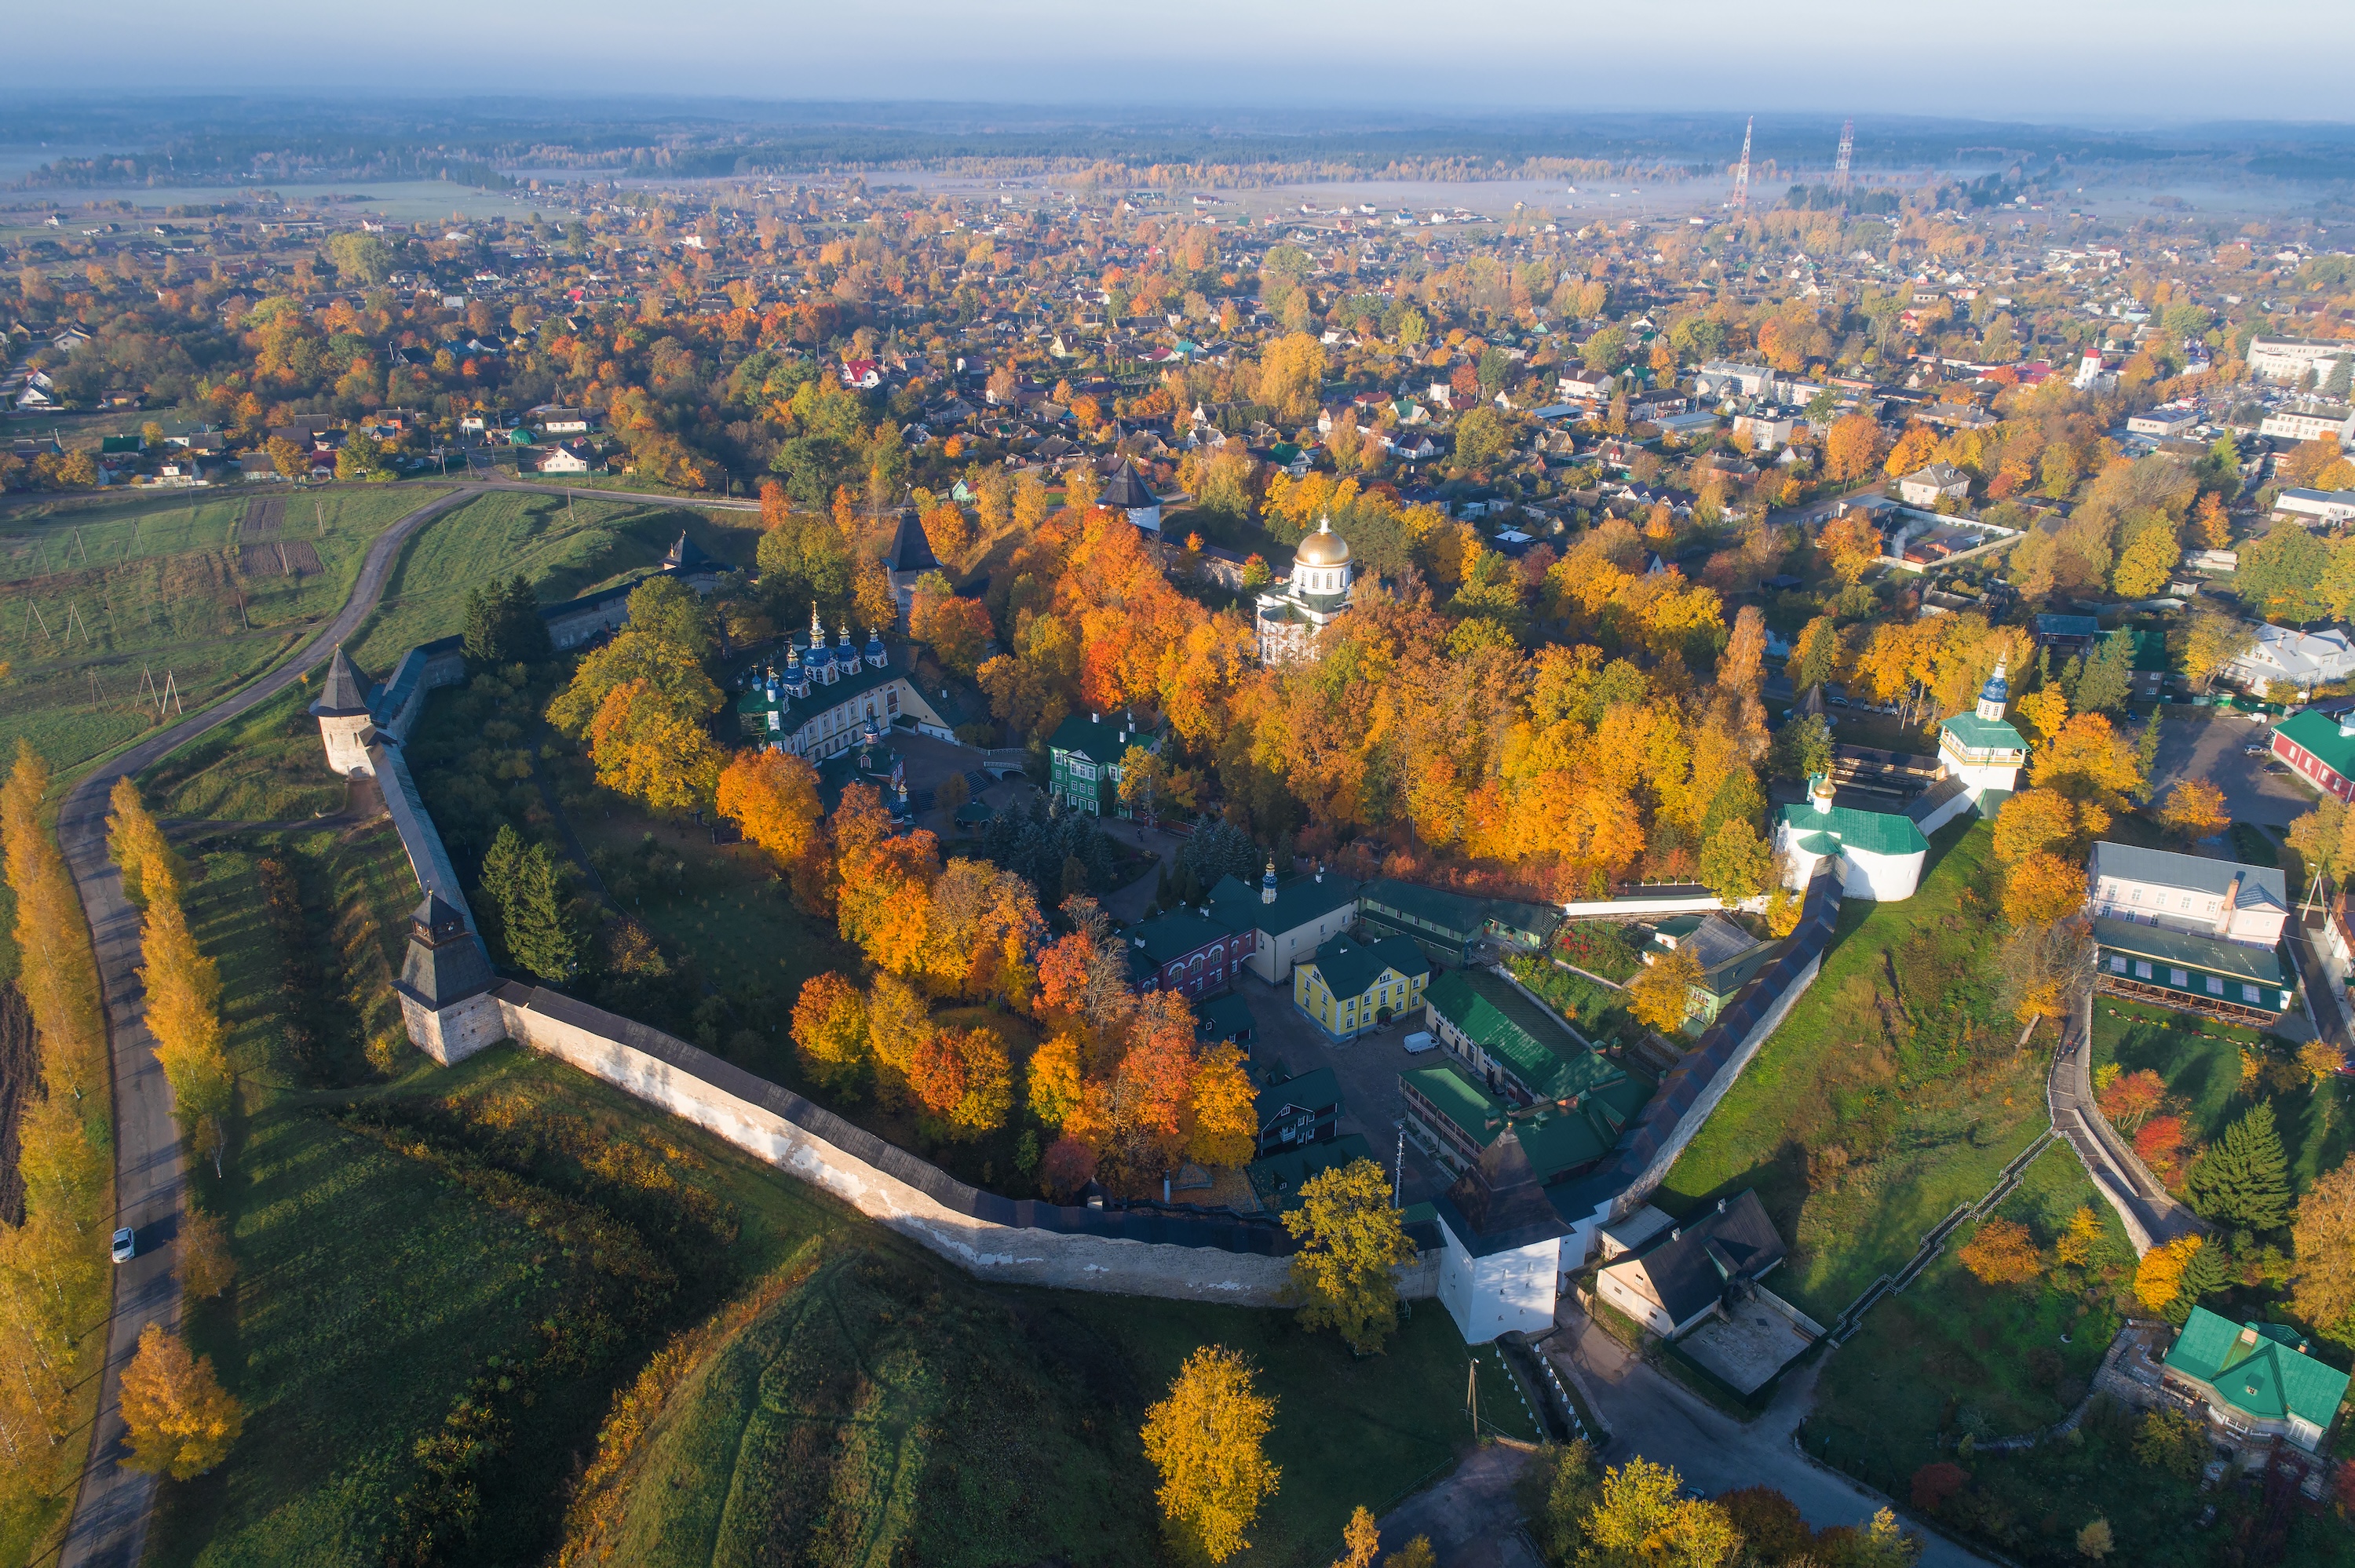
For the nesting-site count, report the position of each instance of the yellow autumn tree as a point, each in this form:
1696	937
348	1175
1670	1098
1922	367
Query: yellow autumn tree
773	797
2158	1277
2195	808
2075	1246
2042	888
1206	1440
135	840
182	1422
1225	1127
645	747
1662	995
1350	1239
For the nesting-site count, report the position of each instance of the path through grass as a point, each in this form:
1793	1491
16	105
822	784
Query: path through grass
1891	1094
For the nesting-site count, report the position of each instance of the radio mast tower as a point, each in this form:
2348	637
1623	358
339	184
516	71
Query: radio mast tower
1741	175
1847	149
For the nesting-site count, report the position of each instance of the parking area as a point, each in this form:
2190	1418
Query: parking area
1367	1068
2194	743
1745	1344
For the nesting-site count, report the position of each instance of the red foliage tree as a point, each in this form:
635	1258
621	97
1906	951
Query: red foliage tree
1935	1483
1067	1166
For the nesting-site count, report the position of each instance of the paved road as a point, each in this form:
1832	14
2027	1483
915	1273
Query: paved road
1652	1415
2195	744
110	1517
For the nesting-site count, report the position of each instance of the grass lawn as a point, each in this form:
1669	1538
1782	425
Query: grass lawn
907	1397
372	1286
377	1285
1952	1357
564	549
1891	1094
2201	1061
103	600
266	767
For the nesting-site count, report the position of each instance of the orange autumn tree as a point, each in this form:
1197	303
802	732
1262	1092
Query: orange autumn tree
883	904
1121	1075
773	797
829	1029
2002	1252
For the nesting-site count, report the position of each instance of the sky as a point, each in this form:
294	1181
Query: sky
2151	62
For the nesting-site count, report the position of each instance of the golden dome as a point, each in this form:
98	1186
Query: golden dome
1322	548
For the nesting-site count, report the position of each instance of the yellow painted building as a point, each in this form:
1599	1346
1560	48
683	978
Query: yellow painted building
1351	987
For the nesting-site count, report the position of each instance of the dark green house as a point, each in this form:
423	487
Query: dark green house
1083	761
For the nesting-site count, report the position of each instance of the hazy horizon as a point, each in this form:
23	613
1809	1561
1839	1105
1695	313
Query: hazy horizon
2105	65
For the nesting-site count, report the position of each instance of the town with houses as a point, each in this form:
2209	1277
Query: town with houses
1578	847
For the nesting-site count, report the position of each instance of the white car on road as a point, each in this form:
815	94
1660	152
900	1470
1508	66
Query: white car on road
125	1244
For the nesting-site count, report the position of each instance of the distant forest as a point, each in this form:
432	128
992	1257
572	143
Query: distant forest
233	140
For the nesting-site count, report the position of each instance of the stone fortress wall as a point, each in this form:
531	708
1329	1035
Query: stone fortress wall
1179	1251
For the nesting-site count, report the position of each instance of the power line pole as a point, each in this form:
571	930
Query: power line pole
1741	174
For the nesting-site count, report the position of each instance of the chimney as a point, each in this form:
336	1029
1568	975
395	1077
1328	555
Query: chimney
1721	1205
2227	904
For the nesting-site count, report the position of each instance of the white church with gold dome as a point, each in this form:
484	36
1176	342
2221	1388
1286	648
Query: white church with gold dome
1292	613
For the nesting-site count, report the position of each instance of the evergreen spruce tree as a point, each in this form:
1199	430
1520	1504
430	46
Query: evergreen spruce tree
542	937
2203	1275
2107	678
2147	757
2243	1179
482	632
496	886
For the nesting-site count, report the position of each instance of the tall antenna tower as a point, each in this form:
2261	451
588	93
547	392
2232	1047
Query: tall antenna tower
1741	174
1847	150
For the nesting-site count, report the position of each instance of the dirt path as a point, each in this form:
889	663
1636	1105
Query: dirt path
110	1519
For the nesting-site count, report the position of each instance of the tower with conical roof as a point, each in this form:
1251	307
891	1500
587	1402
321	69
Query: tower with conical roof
445	984
910	557
1502	1265
1125	491
345	724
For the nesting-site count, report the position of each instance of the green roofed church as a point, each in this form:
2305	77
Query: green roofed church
2253	1381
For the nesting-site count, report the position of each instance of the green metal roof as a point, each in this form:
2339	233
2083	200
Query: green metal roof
1556	1140
1975	734
1092	737
1299	901
2318	735
1874	832
1351	970
1461	1099
1312	1090
2261	966
1276	1178
1453	915
1495	1016
1175	935
2256	1370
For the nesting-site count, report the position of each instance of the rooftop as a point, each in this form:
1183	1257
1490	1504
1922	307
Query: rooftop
2259	1369
1299	901
1548	1059
2163	944
2191	873
1352	969
1873	832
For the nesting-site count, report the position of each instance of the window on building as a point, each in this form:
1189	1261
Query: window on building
2249	994
2137	896
2178	978
2142	970
2215	986
2117	964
